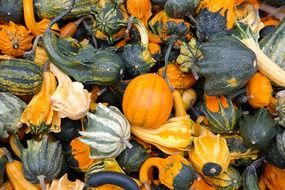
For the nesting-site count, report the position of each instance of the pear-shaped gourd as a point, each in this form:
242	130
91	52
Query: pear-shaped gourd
107	132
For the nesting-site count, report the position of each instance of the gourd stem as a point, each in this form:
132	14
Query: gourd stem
61	15
92	33
166	58
41	179
33	50
127	143
8	155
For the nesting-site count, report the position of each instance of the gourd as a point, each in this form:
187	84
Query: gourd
11	10
139	9
20	77
3	161
222	116
175	172
274	156
11	108
64	183
14	171
279	105
258	130
200	184
273	177
37	171
107	132
15	40
147	101
189	97
280	140
250	178
131	159
259	91
210	155
180	8
38	115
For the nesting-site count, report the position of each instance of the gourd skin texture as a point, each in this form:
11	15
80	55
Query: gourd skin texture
147	101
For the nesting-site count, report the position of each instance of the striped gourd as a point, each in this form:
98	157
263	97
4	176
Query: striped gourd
11	108
19	76
107	132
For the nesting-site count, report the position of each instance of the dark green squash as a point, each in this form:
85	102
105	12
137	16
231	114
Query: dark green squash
20	76
249	176
180	8
42	161
274	156
69	130
131	159
3	161
259	130
227	65
280	140
11	10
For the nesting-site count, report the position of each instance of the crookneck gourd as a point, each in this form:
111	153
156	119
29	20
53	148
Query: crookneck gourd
175	172
107	132
42	160
11	108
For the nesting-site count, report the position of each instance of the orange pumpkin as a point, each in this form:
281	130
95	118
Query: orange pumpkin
15	39
259	91
274	177
147	101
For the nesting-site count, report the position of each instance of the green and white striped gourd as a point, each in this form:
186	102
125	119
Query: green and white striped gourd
107	132
11	108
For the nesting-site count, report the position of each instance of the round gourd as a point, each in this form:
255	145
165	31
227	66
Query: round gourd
259	91
11	10
11	108
210	155
180	8
107	132
147	101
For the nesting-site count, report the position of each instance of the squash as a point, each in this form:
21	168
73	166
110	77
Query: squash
280	140
15	40
14	171
177	78
7	186
210	155
38	115
237	66
259	91
137	57
175	172
11	10
230	179
70	99
200	184
11	108
64	183
40	56
131	159
273	177
3	161
69	130
140	9
20	77
37	171
147	101
107	132
250	178
222	115
180	8
279	105
274	156
77	155
258	130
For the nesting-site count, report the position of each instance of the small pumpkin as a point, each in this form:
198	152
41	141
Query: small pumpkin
259	91
15	39
177	78
107	132
64	183
273	177
175	172
210	155
147	101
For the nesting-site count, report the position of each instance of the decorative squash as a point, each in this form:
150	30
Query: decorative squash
15	39
140	9
258	130
280	108
147	101
20	77
14	171
200	184
177	78
40	56
107	132
69	130
280	140
274	156
175	172
210	155
222	116
38	115
259	91
11	108
63	183
273	177
11	10
70	99
249	175
37	171
131	159
180	8
229	179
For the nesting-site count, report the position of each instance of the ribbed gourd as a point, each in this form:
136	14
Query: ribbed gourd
11	108
107	132
280	109
42	160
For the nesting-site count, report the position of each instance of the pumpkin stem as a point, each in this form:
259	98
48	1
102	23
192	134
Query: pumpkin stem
8	155
89	29
41	179
31	54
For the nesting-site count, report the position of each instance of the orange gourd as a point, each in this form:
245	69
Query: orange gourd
200	184
15	39
274	177
140	9
259	91
147	101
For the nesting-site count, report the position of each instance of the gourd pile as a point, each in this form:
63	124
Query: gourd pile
142	94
